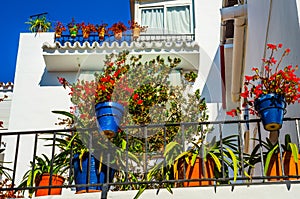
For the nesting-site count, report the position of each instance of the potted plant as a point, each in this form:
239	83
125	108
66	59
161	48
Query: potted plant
274	161
40	173
101	30
136	29
118	29
39	24
266	93
59	28
86	29
73	28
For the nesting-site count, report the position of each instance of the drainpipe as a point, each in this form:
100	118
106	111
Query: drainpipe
238	13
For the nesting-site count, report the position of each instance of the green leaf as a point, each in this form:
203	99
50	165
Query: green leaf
268	159
294	150
234	162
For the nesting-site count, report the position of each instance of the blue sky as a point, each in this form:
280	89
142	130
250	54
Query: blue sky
14	14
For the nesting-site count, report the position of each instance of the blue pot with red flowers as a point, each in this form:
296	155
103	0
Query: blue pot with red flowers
271	109
109	115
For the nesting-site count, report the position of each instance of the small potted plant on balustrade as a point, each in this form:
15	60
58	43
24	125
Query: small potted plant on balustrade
39	24
118	29
268	92
86	29
136	29
59	28
101	30
73	28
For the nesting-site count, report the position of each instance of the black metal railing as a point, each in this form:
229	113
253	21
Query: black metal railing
127	37
41	140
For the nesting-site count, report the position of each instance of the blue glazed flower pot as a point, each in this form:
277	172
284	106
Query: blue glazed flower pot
96	177
81	174
271	108
109	115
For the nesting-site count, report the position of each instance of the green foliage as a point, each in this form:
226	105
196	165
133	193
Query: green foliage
43	165
269	149
39	24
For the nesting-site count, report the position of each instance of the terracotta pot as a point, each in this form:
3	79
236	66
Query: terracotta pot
196	172
58	34
118	35
136	33
57	180
85	34
290	166
101	34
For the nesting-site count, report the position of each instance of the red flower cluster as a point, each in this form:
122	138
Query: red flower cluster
272	80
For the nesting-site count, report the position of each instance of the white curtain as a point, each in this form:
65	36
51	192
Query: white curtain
178	19
154	19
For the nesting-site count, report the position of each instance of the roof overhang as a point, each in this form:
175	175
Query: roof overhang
72	57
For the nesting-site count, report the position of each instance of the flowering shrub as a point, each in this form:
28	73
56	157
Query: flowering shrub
272	80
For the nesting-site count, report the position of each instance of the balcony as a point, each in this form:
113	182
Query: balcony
67	54
223	186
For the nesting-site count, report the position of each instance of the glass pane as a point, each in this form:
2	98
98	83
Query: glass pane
154	19
178	19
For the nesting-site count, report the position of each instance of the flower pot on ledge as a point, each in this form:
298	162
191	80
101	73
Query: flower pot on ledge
271	108
118	35
109	115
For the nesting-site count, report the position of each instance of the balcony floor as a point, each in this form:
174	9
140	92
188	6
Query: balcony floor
266	191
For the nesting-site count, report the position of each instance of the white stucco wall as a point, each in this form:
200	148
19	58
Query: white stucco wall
34	100
5	106
36	93
207	35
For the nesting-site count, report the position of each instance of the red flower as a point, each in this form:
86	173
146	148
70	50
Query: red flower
232	113
248	78
279	45
273	61
139	102
135	96
272	46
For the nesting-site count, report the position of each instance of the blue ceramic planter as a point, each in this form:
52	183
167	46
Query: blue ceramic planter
271	108
96	177
109	115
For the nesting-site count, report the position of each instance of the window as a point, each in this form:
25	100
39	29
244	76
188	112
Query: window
168	19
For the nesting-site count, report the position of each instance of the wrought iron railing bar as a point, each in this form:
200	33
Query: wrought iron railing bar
146	150
127	158
37	132
33	157
89	159
149	126
182	127
280	155
165	143
298	132
70	161
16	159
222	150
52	161
241	147
262	163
